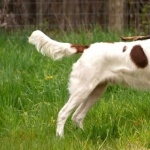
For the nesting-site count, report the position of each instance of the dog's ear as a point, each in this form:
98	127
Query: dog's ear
134	38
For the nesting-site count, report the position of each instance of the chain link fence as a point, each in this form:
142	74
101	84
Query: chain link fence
66	15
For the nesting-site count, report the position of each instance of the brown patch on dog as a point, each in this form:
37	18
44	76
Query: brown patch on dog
124	48
138	56
80	48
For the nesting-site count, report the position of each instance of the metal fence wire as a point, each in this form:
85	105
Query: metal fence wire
71	14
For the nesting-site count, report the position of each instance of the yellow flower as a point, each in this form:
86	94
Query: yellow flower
48	77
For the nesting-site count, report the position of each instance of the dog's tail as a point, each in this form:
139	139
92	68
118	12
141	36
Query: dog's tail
51	48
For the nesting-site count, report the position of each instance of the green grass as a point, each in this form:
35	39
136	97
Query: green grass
30	101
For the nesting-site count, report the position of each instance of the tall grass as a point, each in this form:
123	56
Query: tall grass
33	89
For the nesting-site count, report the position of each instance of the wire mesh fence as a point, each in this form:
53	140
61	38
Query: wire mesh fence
66	15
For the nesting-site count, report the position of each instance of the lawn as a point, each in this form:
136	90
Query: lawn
33	89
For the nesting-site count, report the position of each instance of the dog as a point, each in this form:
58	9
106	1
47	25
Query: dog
125	63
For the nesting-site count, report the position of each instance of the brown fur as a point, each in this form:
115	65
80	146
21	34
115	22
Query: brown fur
138	56
124	48
80	48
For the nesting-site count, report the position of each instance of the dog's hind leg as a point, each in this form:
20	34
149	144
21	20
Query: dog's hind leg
75	100
78	95
82	110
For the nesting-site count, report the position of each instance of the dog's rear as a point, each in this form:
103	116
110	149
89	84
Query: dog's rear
55	50
102	63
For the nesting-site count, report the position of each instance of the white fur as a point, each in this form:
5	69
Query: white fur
99	65
45	45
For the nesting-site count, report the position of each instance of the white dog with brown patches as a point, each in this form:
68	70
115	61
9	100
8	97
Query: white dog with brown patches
101	63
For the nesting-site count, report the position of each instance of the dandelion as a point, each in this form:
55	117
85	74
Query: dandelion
48	77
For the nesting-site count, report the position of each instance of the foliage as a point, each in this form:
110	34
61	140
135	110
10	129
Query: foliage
67	15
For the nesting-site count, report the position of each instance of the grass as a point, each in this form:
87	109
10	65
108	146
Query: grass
33	89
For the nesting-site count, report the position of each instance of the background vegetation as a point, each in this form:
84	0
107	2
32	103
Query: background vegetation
67	15
33	89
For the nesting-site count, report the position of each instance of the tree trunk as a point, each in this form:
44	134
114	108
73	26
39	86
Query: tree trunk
116	15
39	12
